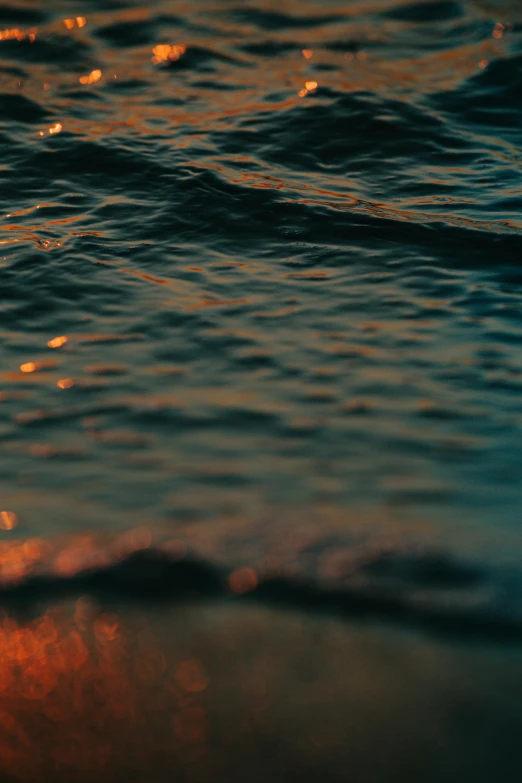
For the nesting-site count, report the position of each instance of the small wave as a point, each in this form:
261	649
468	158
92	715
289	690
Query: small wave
410	585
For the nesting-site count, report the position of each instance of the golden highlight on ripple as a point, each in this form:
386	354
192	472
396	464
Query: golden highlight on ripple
164	53
92	78
79	21
29	367
57	342
310	87
18	35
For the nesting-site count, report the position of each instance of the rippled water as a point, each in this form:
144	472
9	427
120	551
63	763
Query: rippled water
260	284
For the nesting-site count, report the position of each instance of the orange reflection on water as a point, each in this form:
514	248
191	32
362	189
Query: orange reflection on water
501	28
54	129
29	367
15	34
8	520
79	21
18	560
65	383
76	696
92	78
243	580
164	53
57	342
310	87
34	556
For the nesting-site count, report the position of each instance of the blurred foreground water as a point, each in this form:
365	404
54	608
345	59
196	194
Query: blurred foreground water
213	693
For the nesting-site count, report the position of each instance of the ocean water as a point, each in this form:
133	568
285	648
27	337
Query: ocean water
260	279
260	329
260	298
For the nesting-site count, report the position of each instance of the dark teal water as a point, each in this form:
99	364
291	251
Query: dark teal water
261	290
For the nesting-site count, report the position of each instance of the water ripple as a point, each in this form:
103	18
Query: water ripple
261	261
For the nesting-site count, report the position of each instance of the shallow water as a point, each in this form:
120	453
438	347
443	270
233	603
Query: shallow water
212	694
260	291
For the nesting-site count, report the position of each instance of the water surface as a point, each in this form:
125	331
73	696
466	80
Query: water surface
260	290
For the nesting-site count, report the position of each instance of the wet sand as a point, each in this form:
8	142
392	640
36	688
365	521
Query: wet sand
214	691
